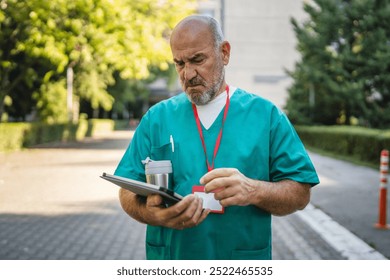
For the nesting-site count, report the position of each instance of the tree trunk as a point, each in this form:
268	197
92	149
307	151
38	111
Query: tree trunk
2	98
3	91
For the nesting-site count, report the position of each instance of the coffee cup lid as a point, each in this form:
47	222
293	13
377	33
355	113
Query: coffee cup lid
158	167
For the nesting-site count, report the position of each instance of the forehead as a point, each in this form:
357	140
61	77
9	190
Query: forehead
191	39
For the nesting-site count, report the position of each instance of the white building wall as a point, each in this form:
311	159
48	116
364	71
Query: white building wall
262	41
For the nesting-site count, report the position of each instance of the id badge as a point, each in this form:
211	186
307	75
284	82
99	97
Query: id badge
209	202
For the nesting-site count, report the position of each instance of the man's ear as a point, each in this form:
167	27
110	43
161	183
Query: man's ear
225	48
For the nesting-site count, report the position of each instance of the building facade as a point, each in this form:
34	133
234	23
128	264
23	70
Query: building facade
263	43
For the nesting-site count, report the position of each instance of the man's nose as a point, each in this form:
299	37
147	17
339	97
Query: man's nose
189	72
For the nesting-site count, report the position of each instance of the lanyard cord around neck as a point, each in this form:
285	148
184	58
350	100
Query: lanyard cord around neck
218	141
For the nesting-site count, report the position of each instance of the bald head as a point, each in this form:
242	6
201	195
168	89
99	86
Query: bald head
199	26
200	55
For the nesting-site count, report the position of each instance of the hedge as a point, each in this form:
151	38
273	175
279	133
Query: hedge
12	135
357	143
15	136
99	126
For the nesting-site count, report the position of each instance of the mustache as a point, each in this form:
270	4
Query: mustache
194	82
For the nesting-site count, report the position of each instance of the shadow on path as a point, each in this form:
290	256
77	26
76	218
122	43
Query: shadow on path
106	233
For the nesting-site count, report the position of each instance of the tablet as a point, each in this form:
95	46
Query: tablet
143	189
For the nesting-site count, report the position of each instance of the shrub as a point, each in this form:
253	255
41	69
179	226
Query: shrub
362	144
99	126
12	135
15	136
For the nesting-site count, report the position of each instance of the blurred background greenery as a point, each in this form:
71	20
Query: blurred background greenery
101	50
343	74
66	63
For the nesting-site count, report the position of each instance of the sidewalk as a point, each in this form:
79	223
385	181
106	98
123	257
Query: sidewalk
349	194
53	205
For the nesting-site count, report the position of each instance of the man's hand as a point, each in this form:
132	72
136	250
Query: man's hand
231	187
186	213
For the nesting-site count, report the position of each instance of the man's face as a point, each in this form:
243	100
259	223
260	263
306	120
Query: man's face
199	64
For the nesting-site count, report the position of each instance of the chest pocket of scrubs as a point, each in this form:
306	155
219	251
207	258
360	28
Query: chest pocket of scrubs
163	152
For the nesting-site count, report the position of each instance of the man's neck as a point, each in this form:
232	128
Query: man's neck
221	90
209	112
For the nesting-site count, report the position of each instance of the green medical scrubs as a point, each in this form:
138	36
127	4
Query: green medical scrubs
257	139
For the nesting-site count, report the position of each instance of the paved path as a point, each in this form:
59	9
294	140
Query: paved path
350	194
53	205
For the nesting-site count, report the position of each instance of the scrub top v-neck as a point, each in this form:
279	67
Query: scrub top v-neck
258	140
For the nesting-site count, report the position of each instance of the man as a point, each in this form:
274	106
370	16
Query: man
239	146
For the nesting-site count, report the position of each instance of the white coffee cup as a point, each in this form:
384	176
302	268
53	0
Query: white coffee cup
159	173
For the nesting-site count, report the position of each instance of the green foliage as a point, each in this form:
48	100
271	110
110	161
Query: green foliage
127	91
99	126
358	143
12	135
40	39
52	102
344	66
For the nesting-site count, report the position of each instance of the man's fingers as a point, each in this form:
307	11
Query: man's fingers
189	217
219	179
200	215
225	193
187	213
215	173
154	200
182	206
196	214
217	185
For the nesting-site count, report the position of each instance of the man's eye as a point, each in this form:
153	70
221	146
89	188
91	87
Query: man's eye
198	60
179	64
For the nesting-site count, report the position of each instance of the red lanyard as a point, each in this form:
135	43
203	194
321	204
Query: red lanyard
218	141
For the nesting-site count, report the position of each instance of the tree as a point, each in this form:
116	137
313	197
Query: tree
14	65
345	58
96	38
